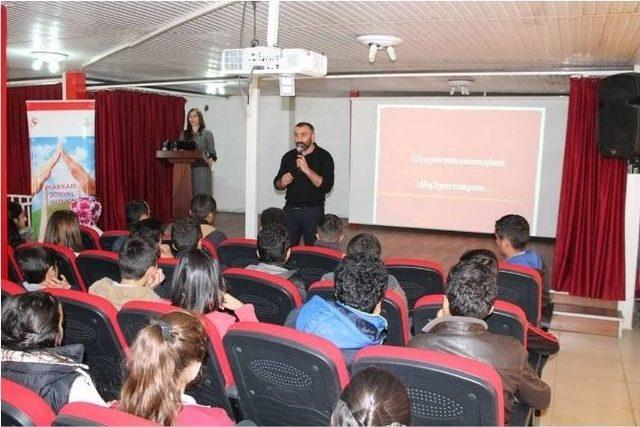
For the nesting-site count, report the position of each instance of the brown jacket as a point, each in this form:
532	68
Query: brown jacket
469	337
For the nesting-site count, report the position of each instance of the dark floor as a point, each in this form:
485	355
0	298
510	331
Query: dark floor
444	247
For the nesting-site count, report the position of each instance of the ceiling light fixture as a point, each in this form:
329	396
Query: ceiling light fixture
52	59
378	42
461	85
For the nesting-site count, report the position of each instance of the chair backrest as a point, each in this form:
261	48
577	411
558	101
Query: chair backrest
394	309
108	238
417	277
273	297
15	273
238	252
216	377
211	248
10	288
506	318
444	389
92	321
96	264
90	238
168	266
23	407
313	262
88	414
284	376
521	286
66	260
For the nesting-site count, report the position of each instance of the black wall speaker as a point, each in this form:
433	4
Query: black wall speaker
619	116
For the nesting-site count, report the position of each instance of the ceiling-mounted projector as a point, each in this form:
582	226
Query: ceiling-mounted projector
263	60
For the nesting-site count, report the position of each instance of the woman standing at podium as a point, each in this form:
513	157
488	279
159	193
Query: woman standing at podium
201	176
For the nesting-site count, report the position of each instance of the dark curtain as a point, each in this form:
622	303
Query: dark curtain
589	252
19	163
130	127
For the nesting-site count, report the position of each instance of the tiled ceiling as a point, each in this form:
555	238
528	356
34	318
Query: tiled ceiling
437	36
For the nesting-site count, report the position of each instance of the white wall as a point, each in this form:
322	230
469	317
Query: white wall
226	119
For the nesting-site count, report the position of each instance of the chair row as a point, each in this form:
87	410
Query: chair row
278	369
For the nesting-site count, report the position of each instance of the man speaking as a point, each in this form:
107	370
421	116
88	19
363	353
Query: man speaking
306	172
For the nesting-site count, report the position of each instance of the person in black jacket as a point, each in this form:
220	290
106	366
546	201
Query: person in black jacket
306	173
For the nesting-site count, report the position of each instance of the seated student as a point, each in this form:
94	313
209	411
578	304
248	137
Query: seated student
460	329
153	230
273	253
88	209
329	233
40	269
273	216
482	256
512	236
367	244
373	397
63	229
203	209
32	354
18	231
165	357
186	235
353	321
198	286
139	271
135	210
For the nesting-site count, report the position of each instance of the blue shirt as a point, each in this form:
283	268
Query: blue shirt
527	259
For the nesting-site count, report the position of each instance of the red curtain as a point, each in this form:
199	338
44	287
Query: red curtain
589	252
18	133
130	127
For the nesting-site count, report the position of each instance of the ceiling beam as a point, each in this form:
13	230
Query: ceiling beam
160	30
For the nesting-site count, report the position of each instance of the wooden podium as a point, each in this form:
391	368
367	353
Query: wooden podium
182	161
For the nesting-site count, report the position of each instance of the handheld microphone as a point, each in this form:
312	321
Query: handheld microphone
300	148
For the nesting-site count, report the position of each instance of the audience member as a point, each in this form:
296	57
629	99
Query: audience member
330	232
186	235
40	269
353	321
203	210
273	216
139	272
18	231
153	230
273	253
482	256
460	329
88	209
165	357
198	286
63	228
373	397
32	354
368	245
134	211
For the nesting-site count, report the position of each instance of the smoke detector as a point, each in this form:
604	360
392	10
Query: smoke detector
378	42
462	86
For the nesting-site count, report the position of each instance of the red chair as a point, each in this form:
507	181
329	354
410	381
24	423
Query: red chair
394	309
211	248
10	288
445	389
216	385
273	297
66	260
108	239
521	286
90	238
417	277
15	273
506	319
284	376
96	264
238	252
88	414
92	321
313	262
23	407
